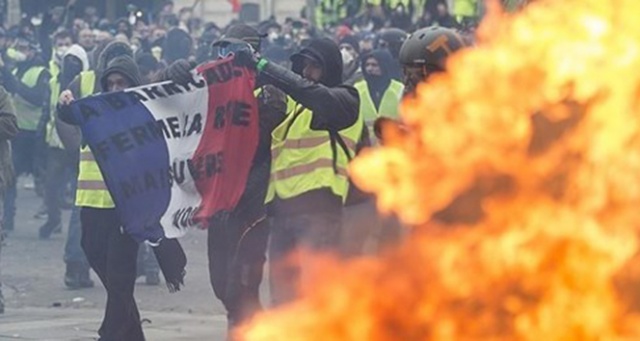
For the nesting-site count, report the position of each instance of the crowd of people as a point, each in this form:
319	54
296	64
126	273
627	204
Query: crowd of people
325	85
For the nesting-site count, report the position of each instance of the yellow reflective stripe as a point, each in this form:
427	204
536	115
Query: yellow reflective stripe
92	185
298	170
309	142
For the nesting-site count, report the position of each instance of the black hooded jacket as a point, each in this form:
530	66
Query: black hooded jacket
126	66
335	106
378	84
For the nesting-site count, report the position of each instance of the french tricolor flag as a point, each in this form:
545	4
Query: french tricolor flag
173	156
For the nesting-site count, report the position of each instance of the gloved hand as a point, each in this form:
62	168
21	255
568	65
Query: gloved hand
246	57
180	72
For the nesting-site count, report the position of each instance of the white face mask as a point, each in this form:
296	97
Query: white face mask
347	57
134	48
273	36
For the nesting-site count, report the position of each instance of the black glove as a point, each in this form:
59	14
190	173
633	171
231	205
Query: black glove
180	72
246	58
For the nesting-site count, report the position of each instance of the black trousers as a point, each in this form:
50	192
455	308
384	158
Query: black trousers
236	259
112	255
60	165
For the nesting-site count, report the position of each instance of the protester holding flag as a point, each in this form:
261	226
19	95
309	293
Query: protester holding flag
111	252
310	152
237	242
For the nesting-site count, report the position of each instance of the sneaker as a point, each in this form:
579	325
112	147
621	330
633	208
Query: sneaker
48	228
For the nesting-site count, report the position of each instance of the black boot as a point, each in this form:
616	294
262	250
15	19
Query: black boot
77	276
48	228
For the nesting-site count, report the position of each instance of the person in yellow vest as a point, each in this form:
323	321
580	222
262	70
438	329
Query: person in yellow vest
60	163
310	153
62	41
380	96
465	9
29	85
399	13
330	12
111	252
8	130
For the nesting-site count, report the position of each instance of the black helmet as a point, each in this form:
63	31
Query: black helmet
430	46
392	39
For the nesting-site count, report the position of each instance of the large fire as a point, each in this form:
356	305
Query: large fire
520	170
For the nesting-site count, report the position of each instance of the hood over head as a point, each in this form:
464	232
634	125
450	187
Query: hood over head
80	53
177	45
111	51
126	66
385	60
242	32
325	52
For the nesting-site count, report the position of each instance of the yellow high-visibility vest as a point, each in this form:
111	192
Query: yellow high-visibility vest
27	114
91	191
465	8
330	12
389	105
51	137
54	69
303	159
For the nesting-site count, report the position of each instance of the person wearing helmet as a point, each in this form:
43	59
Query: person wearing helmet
425	52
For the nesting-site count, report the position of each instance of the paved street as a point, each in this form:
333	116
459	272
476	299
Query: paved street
39	307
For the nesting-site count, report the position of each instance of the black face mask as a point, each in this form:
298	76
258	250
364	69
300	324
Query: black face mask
71	67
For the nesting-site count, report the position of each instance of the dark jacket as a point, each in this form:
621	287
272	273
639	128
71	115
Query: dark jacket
378	84
8	129
335	107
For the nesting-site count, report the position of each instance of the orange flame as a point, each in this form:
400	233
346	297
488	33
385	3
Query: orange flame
520	171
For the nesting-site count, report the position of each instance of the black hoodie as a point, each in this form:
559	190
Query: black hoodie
335	107
378	84
126	66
